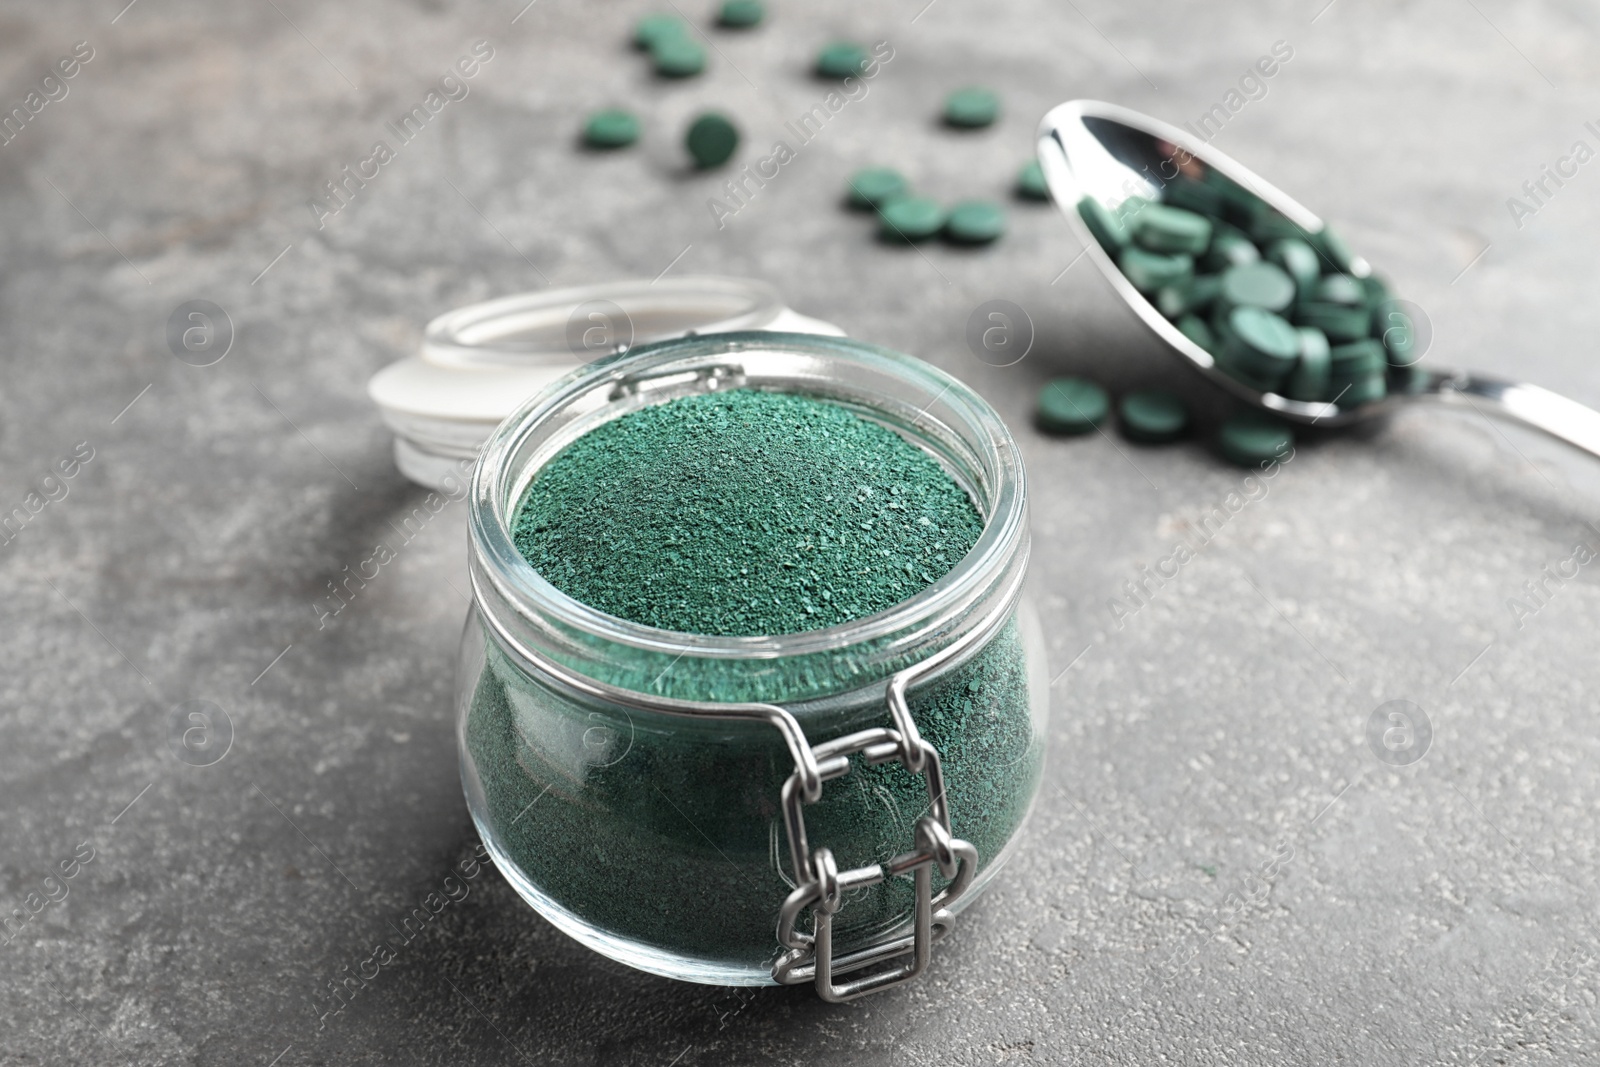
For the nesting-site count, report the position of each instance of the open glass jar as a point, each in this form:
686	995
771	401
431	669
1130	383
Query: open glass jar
750	810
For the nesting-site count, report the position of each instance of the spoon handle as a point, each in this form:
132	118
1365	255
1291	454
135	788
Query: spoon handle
1553	413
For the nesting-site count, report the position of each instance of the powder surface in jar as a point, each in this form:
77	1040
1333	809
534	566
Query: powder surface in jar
743	513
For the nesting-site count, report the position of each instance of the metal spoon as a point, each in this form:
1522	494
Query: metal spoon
1090	148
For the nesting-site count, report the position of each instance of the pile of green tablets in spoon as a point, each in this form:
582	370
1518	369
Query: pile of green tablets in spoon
1280	308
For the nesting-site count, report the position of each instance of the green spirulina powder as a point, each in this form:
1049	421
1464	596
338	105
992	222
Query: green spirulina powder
739	513
743	513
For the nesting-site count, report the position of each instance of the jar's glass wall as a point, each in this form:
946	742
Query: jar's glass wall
659	840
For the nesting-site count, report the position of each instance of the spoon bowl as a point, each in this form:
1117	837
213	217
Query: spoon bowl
1091	149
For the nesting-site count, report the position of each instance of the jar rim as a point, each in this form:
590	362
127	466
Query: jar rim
999	493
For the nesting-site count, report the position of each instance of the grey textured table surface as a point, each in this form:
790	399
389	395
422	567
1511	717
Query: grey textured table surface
1220	870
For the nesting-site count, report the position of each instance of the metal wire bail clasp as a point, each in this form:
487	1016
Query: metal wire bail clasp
822	885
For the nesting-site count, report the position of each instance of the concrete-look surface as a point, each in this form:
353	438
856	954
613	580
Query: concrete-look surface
1220	869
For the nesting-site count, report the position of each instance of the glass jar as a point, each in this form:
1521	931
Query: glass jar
750	810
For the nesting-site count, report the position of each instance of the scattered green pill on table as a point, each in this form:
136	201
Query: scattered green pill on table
975	222
678	57
652	28
612	128
910	218
971	107
711	140
741	14
841	59
1252	438
1153	416
1030	182
1072	405
872	186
